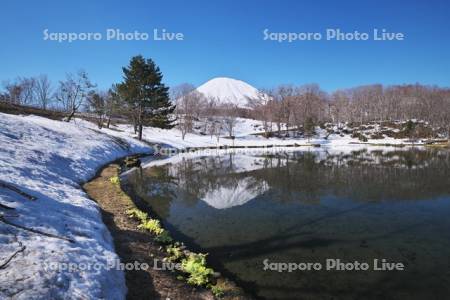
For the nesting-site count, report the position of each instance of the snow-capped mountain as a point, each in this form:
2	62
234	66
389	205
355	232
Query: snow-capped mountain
229	90
224	197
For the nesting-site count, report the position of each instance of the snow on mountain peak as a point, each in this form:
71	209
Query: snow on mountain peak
229	90
229	196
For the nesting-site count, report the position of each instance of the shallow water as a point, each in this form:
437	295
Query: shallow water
247	211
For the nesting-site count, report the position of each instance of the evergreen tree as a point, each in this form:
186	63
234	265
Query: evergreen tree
146	96
309	127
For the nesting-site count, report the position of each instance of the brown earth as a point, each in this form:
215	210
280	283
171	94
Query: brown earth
133	245
15	109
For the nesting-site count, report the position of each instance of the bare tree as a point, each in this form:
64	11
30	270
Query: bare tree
97	104
308	107
229	116
42	91
190	106
73	91
208	113
215	127
20	91
4	97
336	108
283	103
13	92
27	94
263	108
183	95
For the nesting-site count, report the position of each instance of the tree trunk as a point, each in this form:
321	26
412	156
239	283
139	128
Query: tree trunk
100	122
140	132
72	113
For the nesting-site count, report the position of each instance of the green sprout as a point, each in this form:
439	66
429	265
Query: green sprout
195	266
115	180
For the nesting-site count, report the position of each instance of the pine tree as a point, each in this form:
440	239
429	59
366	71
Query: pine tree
146	96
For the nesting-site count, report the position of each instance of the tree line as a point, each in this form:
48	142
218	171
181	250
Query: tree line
209	115
141	98
292	110
302	107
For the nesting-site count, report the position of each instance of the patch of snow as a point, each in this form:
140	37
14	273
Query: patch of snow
49	160
247	133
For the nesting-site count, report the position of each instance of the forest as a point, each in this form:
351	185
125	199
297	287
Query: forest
284	108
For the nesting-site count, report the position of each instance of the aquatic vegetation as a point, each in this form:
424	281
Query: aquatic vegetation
195	266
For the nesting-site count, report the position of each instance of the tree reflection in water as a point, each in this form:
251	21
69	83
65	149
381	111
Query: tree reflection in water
308	206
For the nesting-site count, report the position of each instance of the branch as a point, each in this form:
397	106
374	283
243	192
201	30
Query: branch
16	190
36	231
21	249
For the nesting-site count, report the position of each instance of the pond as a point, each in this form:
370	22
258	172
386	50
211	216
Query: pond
257	213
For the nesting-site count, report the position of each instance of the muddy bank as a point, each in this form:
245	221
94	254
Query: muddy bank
133	244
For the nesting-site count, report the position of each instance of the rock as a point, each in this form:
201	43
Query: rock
131	162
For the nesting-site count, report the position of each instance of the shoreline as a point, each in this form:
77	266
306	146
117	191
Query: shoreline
51	160
133	244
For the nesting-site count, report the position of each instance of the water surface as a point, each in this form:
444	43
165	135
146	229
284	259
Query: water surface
310	206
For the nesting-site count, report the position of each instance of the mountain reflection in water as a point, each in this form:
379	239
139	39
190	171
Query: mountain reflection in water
308	206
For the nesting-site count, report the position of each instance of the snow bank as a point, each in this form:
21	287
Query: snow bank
248	133
48	160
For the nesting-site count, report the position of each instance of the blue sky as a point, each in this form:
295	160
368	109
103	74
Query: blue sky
225	38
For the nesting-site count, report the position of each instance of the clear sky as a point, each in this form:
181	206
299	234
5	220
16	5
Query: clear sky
225	38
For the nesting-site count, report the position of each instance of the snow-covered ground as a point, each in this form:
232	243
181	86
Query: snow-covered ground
246	134
49	160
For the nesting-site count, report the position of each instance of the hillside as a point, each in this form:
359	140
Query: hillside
42	164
